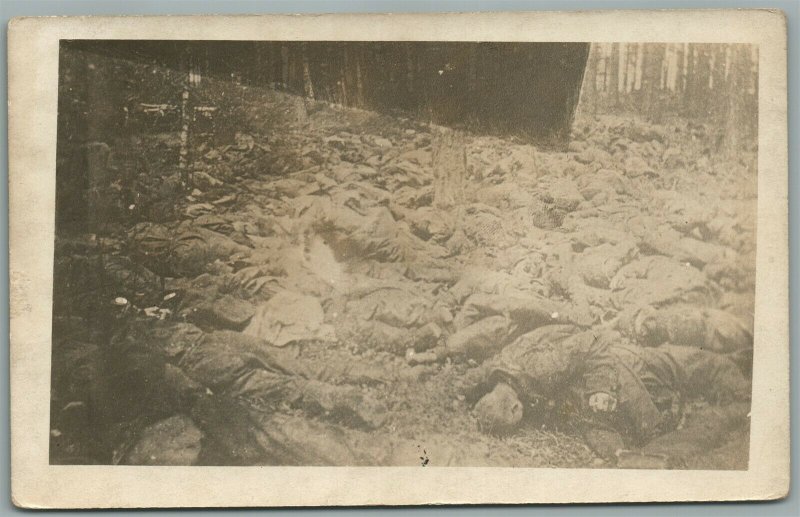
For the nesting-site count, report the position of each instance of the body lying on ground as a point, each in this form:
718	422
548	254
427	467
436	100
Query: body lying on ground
619	395
152	370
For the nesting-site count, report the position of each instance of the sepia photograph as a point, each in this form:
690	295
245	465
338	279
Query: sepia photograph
320	253
404	253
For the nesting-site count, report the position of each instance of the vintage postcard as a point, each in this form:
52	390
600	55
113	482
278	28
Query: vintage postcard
399	259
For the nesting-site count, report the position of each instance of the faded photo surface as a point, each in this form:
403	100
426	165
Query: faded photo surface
404	253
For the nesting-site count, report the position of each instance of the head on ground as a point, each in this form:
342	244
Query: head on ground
499	411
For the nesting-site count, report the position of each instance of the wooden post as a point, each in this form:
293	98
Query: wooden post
449	161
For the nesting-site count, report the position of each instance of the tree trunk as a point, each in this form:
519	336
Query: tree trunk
359	81
691	88
590	80
639	64
653	59
186	117
614	71
679	69
702	75
630	65
285	66
343	77
308	88
736	119
718	78
409	69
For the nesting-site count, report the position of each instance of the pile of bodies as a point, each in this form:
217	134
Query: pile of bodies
311	302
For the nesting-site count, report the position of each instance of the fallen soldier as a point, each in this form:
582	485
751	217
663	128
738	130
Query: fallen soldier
620	396
155	369
710	329
488	322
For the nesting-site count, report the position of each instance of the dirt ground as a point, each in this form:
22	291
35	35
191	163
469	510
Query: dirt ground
328	206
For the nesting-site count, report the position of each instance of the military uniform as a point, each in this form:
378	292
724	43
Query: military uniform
564	365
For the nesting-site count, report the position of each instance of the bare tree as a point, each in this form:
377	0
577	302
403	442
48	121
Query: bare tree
614	72
186	118
736	117
590	79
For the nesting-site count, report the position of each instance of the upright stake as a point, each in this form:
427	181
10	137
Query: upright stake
449	161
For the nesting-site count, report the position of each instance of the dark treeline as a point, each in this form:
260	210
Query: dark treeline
524	89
